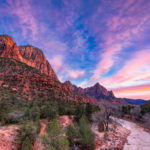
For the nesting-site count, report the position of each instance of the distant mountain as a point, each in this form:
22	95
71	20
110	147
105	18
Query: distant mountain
101	93
97	91
134	101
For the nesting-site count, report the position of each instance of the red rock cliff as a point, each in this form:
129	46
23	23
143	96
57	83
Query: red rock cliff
34	57
30	55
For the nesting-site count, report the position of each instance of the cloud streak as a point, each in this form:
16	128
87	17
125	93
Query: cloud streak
123	29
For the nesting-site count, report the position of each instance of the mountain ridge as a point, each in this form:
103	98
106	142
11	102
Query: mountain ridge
97	91
101	93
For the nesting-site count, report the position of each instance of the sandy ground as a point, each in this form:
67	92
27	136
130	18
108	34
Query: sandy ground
7	137
138	138
64	121
116	137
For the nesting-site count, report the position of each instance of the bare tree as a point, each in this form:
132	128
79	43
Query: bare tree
103	115
136	113
106	115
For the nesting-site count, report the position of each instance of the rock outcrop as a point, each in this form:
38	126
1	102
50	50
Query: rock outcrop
34	57
30	55
8	48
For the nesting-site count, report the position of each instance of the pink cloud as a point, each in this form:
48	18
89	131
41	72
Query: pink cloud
122	29
136	70
27	22
57	62
64	71
74	74
140	91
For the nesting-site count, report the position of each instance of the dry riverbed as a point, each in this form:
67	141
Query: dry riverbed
138	139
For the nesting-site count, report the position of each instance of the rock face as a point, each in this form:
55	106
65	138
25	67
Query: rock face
8	48
97	91
25	82
34	57
30	55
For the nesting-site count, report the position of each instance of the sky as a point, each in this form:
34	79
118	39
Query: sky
87	41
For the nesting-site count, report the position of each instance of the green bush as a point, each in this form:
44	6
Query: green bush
55	138
87	138
4	111
27	131
48	111
145	108
72	133
26	144
126	109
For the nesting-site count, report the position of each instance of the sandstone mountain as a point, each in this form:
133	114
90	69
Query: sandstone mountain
97	91
23	82
30	55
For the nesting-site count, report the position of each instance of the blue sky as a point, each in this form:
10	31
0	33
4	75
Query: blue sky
105	41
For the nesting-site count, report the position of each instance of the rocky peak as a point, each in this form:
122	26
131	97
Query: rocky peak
96	91
28	54
8	48
70	85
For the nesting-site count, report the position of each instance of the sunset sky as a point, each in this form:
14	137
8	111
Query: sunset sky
87	41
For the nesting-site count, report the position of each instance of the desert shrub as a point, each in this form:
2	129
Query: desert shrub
4	111
145	108
48	111
15	117
26	133
79	112
101	126
26	144
38	126
32	113
72	133
55	138
126	109
87	137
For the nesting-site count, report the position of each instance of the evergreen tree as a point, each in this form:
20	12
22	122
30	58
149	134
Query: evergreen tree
27	130
86	135
4	110
26	144
71	133
55	138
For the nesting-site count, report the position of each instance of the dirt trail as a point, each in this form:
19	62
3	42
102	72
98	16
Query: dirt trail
37	144
138	139
43	127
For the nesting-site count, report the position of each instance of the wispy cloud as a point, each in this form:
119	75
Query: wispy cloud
141	91
123	29
135	71
26	20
